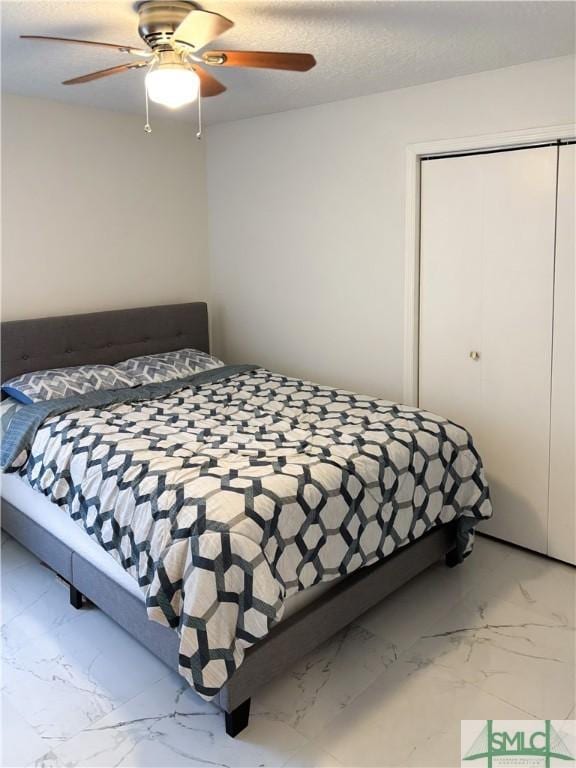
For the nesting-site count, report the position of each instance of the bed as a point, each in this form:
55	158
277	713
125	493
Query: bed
297	586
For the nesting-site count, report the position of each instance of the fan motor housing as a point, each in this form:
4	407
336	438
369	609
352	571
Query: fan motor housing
158	19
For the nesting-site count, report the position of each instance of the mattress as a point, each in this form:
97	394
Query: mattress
54	519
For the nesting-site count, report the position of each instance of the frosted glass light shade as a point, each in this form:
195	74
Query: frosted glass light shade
172	86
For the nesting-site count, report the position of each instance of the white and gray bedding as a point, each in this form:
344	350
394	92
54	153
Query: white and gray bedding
226	493
8	407
55	521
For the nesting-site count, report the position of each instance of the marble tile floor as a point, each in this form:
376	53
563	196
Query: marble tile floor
493	638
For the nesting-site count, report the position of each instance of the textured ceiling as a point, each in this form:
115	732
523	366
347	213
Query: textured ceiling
361	47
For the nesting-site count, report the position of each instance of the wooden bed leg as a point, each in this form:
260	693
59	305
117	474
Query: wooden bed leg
237	720
76	597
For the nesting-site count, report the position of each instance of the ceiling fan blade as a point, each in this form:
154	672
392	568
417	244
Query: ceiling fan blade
105	72
201	27
294	62
121	48
209	86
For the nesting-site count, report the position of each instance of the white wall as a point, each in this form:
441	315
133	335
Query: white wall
307	218
95	213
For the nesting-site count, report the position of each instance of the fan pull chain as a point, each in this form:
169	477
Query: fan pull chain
199	132
147	127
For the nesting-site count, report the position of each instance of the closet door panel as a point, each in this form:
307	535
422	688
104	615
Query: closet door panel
519	214
451	234
500	245
562	512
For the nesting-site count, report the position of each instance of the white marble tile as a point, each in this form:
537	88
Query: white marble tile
518	655
326	680
10	605
168	725
76	674
566	729
410	717
13	555
25	585
20	745
489	639
34	602
29	580
532	581
311	756
407	614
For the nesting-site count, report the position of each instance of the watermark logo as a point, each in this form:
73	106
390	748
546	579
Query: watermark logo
518	743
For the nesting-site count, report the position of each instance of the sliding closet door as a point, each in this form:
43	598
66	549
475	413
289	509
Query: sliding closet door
562	513
486	287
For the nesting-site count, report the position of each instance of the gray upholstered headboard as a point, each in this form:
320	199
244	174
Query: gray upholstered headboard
100	337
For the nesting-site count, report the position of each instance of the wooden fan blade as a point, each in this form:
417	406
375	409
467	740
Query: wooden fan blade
294	62
199	28
209	86
105	72
121	48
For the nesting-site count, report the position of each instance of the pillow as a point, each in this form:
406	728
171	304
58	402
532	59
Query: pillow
151	369
56	383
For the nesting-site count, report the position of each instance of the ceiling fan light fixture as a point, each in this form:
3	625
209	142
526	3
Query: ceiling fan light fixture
176	34
172	85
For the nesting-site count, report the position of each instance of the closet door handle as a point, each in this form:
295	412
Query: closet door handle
474	355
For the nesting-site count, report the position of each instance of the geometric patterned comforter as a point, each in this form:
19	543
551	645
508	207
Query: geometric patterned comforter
226	493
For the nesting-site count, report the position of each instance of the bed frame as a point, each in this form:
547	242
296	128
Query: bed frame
109	337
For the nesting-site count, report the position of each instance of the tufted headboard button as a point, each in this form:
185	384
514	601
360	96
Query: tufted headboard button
25	357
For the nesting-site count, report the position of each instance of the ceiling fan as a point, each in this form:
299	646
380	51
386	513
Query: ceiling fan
175	32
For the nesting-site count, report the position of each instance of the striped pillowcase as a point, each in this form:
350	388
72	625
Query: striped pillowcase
152	369
57	383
